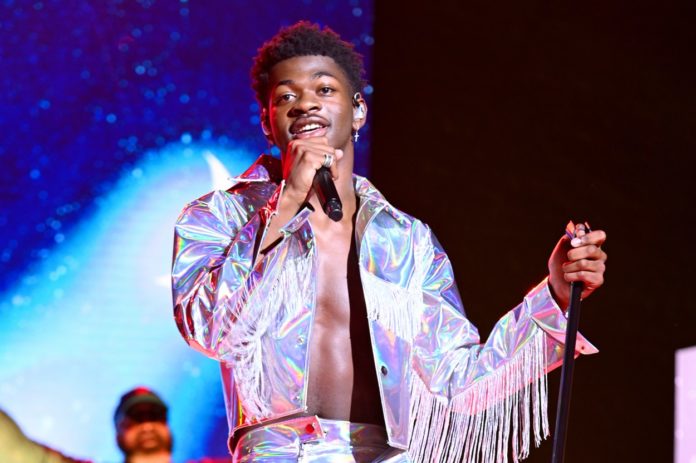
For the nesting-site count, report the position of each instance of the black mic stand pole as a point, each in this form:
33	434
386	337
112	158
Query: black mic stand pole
559	438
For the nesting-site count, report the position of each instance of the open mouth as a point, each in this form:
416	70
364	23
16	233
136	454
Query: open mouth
306	128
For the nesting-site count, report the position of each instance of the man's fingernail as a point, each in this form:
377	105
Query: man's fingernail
575	242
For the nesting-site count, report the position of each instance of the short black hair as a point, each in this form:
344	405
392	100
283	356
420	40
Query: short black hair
305	39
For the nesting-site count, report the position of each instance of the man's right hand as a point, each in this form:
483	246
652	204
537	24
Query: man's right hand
300	164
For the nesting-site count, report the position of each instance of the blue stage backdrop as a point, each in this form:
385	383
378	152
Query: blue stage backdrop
113	115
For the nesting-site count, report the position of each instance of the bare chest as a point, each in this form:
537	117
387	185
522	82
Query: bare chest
340	357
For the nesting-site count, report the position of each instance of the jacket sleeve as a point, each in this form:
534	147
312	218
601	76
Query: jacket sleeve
476	391
215	267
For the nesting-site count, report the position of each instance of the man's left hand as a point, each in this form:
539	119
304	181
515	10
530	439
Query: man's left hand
583	260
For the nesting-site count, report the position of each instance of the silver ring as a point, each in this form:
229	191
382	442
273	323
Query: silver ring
328	161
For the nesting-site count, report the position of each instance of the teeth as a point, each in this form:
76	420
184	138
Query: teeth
309	127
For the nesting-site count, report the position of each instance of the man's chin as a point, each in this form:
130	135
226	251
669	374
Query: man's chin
152	444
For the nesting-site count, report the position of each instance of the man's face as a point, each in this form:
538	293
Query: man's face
144	431
310	96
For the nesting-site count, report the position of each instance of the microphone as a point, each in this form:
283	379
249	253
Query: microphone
327	194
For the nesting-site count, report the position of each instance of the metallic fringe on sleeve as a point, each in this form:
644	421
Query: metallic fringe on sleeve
257	312
477	425
397	309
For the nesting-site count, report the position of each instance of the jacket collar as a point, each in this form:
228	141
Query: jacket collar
269	169
266	168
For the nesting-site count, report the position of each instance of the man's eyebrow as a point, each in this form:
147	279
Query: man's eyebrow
316	75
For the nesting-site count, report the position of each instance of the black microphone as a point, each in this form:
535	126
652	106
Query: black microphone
328	196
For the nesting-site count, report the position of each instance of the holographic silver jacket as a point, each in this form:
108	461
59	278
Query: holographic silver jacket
444	395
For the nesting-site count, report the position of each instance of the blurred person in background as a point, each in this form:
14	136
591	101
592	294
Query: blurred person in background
142	431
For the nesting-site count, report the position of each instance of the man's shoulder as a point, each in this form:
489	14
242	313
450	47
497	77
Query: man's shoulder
243	196
367	192
211	460
261	178
248	192
379	212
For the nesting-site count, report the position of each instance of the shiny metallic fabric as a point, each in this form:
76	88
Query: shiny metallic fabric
312	439
444	395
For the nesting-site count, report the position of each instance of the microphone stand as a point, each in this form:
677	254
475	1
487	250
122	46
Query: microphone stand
563	411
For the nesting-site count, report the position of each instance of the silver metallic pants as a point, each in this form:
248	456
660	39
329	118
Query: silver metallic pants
314	439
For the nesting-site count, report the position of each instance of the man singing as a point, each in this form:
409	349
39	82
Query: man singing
347	340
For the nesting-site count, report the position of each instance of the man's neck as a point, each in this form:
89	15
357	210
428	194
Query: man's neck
160	457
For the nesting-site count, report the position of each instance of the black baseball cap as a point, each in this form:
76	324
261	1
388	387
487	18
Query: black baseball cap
140	404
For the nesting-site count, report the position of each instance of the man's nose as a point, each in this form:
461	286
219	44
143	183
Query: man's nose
306	103
147	425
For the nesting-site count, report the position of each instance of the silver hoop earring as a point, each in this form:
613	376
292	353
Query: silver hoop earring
356	99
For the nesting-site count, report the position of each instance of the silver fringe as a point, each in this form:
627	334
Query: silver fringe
263	308
480	425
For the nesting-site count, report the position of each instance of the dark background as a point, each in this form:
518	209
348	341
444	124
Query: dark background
512	119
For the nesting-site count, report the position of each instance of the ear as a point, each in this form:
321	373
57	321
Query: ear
359	111
265	125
